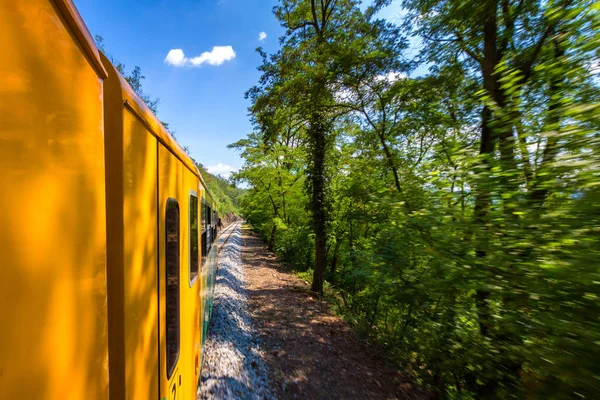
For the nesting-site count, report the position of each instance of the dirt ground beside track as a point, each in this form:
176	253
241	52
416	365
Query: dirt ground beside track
311	353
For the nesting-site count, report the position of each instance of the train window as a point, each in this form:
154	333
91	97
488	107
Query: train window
214	225
203	215
204	234
209	228
193	236
172	284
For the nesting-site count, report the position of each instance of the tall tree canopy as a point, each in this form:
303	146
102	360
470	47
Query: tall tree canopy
451	216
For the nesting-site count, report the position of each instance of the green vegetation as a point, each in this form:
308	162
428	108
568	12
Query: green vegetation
135	78
226	194
454	214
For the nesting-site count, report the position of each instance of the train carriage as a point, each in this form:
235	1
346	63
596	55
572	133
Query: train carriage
108	230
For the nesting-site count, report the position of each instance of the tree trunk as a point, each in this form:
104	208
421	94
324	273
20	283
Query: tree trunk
317	132
482	204
334	260
543	178
272	238
317	181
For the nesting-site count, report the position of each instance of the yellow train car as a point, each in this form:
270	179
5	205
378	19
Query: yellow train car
53	313
108	230
156	205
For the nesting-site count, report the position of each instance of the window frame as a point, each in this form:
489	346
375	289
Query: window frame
171	364
203	232
214	219
193	280
209	228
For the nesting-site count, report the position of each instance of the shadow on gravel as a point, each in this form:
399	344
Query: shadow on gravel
225	277
311	354
233	367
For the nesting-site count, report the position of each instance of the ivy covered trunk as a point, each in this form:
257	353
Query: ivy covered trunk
463	198
317	137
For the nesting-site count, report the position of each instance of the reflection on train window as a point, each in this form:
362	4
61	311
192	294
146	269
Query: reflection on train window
203	217
193	236
209	228
215	221
172	290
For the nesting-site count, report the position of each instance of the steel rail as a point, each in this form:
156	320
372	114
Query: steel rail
232	227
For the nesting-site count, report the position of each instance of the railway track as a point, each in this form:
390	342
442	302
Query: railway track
233	362
227	231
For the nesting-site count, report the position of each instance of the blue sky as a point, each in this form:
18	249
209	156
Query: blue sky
201	91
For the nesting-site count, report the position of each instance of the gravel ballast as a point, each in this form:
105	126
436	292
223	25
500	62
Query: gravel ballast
233	362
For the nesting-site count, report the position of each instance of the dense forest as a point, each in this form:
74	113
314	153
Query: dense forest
225	192
447	198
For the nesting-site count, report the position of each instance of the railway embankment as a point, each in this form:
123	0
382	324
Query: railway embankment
270	338
310	352
233	361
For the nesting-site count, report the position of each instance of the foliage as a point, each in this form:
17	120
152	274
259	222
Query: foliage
460	209
134	79
225	193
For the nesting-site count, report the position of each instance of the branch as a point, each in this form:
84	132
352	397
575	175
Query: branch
331	3
509	25
301	25
315	19
448	154
527	65
466	49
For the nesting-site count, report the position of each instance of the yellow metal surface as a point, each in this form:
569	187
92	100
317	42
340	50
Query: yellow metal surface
53	341
140	260
170	187
77	27
132	189
83	246
190	288
144	168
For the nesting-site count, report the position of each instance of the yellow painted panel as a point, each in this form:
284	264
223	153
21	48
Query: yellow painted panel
140	259
177	182
170	187
190	310
53	342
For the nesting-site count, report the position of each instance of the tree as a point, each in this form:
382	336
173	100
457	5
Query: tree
528	59
326	43
134	79
461	207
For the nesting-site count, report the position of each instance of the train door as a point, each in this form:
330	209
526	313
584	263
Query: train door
171	202
206	289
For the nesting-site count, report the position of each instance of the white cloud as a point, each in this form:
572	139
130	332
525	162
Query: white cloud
262	36
392	76
217	56
221	169
345	94
176	58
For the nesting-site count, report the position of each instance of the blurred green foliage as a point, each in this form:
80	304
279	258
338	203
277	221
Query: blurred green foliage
462	206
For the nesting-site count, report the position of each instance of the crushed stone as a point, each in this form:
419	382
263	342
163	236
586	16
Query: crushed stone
233	361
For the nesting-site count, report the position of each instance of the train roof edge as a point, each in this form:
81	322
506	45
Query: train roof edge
131	100
137	106
82	34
